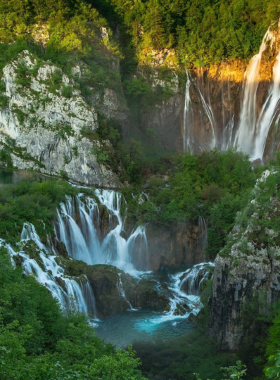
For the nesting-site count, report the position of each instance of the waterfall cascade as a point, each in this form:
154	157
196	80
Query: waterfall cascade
202	232
192	280
269	112
77	227
184	288
249	130
92	229
246	131
69	291
188	117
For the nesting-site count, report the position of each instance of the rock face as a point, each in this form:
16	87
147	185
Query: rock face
43	124
177	246
116	291
246	276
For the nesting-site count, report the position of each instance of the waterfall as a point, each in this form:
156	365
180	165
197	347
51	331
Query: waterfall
227	137
209	113
250	129
122	292
253	128
268	112
68	291
188	117
77	227
192	280
202	232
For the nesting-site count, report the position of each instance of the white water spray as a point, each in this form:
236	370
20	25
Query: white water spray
253	128
83	240
268	113
188	117
69	291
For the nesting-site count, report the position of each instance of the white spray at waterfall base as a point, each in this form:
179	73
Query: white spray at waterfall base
182	302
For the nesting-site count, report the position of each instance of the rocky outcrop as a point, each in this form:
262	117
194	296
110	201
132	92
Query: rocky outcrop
44	124
116	291
246	278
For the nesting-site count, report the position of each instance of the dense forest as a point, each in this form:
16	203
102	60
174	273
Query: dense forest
201	32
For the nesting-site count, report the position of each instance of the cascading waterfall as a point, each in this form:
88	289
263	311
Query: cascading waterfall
268	113
69	292
188	117
227	138
245	137
184	288
249	132
122	292
83	242
192	280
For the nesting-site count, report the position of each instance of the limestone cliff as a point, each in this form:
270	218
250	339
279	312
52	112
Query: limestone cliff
246	275
180	245
43	120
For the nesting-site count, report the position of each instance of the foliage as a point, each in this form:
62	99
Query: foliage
178	358
272	368
214	185
235	372
67	91
124	159
30	202
272	371
201	31
40	342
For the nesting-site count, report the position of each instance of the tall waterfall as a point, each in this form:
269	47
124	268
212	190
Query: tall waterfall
210	115
188	117
268	112
202	232
70	292
245	137
78	228
250	129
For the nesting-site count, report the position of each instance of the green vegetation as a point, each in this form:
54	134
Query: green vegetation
179	358
40	342
201	31
214	185
125	159
32	202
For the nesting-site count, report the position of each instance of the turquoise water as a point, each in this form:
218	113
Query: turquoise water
145	324
141	325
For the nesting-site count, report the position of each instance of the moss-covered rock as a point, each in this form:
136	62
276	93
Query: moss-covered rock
116	291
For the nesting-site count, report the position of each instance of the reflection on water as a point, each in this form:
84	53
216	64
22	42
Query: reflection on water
8	177
141	325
